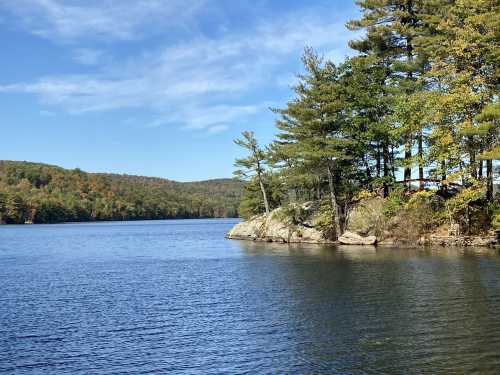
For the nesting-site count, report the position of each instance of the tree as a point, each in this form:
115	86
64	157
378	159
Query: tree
253	165
392	26
39	193
489	129
463	52
314	131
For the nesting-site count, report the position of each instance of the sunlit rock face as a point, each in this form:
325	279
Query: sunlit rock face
350	238
273	228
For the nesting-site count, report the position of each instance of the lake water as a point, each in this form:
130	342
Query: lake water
176	297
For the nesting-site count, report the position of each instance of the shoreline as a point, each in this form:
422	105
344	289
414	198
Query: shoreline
425	246
273	228
117	221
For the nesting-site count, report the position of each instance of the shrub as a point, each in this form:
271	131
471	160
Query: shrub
324	219
292	213
395	201
467	204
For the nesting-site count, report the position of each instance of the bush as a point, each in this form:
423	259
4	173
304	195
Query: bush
468	206
427	210
395	201
292	214
324	219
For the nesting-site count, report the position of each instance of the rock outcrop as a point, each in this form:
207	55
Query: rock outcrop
367	217
274	228
351	238
269	229
365	226
459	241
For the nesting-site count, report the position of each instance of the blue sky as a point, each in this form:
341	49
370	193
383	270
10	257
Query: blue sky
153	87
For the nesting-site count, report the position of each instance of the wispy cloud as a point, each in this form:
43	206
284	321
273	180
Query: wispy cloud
214	118
203	83
89	56
217	129
112	19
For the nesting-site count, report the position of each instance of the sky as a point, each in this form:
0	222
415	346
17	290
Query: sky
154	87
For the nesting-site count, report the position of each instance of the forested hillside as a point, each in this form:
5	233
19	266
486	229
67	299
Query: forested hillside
416	108
40	193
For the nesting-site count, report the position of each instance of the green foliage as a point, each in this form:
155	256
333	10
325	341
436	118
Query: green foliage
422	93
292	214
324	219
47	194
395	201
465	198
416	215
253	165
467	207
427	209
252	202
495	220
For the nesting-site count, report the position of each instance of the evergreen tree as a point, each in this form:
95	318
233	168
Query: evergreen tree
253	165
392	26
314	129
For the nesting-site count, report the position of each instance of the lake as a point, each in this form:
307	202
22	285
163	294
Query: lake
176	297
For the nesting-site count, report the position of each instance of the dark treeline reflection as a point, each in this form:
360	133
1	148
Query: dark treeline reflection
394	311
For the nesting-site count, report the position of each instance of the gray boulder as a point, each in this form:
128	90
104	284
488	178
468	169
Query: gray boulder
350	238
274	228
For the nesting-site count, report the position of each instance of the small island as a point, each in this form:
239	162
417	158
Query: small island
396	144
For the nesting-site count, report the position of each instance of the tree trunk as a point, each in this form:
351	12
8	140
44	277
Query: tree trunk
393	164
378	160
480	170
264	194
335	206
472	158
443	176
443	170
386	169
407	172
489	180
409	56
420	161
367	166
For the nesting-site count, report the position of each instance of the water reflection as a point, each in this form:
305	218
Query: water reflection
176	297
387	309
362	252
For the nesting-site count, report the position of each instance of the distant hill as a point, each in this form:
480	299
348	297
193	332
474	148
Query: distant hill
41	193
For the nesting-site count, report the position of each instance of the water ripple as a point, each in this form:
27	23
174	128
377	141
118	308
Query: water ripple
174	297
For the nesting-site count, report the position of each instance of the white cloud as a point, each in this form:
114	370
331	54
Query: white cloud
89	56
113	19
217	129
213	118
190	83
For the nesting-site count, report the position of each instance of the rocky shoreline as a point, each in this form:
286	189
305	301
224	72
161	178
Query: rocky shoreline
271	228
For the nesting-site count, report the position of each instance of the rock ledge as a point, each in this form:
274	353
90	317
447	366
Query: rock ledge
350	238
268	228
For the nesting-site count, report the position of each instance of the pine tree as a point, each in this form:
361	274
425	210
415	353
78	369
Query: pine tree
313	127
464	54
253	165
489	130
392	26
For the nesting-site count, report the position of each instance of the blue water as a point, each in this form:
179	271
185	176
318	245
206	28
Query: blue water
175	297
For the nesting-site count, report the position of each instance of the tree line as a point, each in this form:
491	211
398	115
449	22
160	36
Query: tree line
39	193
417	106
